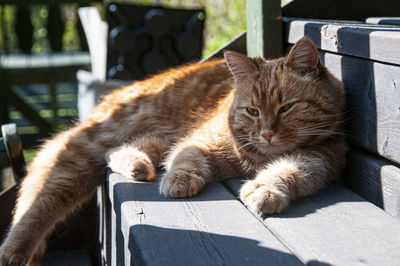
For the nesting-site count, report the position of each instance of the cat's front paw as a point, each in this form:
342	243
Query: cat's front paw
132	164
180	184
11	257
263	199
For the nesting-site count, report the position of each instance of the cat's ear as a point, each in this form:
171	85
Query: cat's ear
240	65
303	58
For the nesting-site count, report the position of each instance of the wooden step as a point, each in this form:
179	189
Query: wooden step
213	228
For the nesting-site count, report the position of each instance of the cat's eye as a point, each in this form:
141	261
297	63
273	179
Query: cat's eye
252	111
285	108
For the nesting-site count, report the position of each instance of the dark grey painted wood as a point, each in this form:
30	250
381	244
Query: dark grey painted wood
383	20
376	179
341	9
376	42
336	227
373	99
212	228
264	28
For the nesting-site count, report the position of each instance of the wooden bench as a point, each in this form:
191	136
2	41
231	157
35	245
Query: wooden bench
354	223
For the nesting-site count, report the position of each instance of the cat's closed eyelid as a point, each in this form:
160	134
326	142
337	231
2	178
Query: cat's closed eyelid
285	107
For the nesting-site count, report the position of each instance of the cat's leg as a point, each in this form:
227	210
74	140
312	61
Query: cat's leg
290	177
138	158
188	167
39	207
63	175
38	254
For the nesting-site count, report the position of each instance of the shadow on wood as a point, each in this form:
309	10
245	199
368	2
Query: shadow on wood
167	246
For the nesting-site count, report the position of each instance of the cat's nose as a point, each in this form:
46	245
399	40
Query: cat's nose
267	134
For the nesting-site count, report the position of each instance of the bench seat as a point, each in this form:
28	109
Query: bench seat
354	223
214	228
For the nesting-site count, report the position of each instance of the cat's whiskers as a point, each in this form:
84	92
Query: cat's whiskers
319	132
239	139
340	114
322	125
243	146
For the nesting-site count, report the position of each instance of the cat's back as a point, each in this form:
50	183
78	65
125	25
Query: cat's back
192	88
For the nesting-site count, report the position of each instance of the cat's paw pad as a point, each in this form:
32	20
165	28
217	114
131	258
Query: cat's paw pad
132	164
262	199
180	184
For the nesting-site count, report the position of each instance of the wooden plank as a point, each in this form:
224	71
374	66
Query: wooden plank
340	9
336	227
373	99
264	28
375	179
383	20
212	228
14	150
376	42
44	60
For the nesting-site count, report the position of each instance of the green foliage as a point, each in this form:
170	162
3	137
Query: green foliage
224	20
29	154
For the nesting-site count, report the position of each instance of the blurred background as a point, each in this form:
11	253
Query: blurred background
225	19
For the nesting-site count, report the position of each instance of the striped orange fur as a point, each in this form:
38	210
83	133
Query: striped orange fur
277	122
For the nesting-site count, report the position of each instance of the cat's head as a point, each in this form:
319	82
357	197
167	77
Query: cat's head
285	103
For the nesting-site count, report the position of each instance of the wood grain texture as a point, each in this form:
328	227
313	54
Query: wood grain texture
375	179
375	42
373	99
336	227
212	228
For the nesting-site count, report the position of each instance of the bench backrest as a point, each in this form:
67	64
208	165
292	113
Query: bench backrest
366	57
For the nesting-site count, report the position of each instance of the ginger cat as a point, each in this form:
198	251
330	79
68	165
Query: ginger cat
277	122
